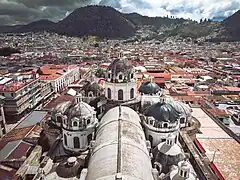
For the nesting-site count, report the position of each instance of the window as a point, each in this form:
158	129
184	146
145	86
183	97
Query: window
120	77
59	119
185	174
65	139
109	75
182	120
75	123
132	93
90	94
120	95
163	140
76	142
109	93
132	76
165	125
88	121
181	173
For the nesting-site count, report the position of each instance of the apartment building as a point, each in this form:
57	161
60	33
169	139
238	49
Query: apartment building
3	128
22	92
60	76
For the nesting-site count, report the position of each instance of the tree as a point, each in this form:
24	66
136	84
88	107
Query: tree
100	72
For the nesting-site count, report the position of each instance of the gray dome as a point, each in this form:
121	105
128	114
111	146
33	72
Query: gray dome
92	86
149	87
80	109
61	108
181	107
162	111
168	155
120	65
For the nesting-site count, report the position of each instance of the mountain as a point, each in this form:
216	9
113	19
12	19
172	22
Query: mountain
106	22
140	20
232	27
99	21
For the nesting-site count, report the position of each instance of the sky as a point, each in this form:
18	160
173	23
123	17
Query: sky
14	12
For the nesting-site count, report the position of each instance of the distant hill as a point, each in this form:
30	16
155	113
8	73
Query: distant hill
106	22
99	21
140	20
232	27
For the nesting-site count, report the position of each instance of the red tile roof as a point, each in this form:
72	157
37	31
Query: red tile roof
20	151
15	86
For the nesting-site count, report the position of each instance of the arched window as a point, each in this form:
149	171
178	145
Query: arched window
132	93
120	94
132	76
59	119
120	77
88	121
109	93
182	120
65	139
90	94
76	142
165	125
75	123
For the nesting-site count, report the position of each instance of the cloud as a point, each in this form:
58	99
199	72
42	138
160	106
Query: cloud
25	11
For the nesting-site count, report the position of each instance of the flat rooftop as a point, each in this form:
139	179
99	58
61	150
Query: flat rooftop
14	86
216	141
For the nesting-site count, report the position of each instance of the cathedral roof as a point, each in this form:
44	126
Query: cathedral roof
149	87
80	109
92	86
162	111
181	107
120	65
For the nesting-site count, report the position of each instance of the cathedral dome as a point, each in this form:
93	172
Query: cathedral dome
168	153
162	111
181	107
80	110
149	87
120	70
92	89
60	109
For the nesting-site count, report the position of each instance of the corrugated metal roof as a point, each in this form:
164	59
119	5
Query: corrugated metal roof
8	148
120	148
32	119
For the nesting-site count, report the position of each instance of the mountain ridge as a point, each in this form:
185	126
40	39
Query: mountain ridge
107	22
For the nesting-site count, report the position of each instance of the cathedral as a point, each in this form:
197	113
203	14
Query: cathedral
117	132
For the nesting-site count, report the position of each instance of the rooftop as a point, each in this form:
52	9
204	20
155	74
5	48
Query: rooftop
14	86
215	140
52	72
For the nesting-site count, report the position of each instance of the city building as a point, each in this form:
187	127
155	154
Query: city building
22	93
3	128
60	76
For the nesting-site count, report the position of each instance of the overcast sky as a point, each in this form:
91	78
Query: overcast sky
25	11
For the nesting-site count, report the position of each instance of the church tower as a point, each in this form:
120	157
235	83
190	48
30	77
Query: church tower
78	126
120	83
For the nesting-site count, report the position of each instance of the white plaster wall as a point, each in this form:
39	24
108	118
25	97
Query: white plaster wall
82	135
157	136
126	87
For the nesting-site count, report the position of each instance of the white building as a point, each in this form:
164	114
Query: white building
160	121
60	77
78	122
120	83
